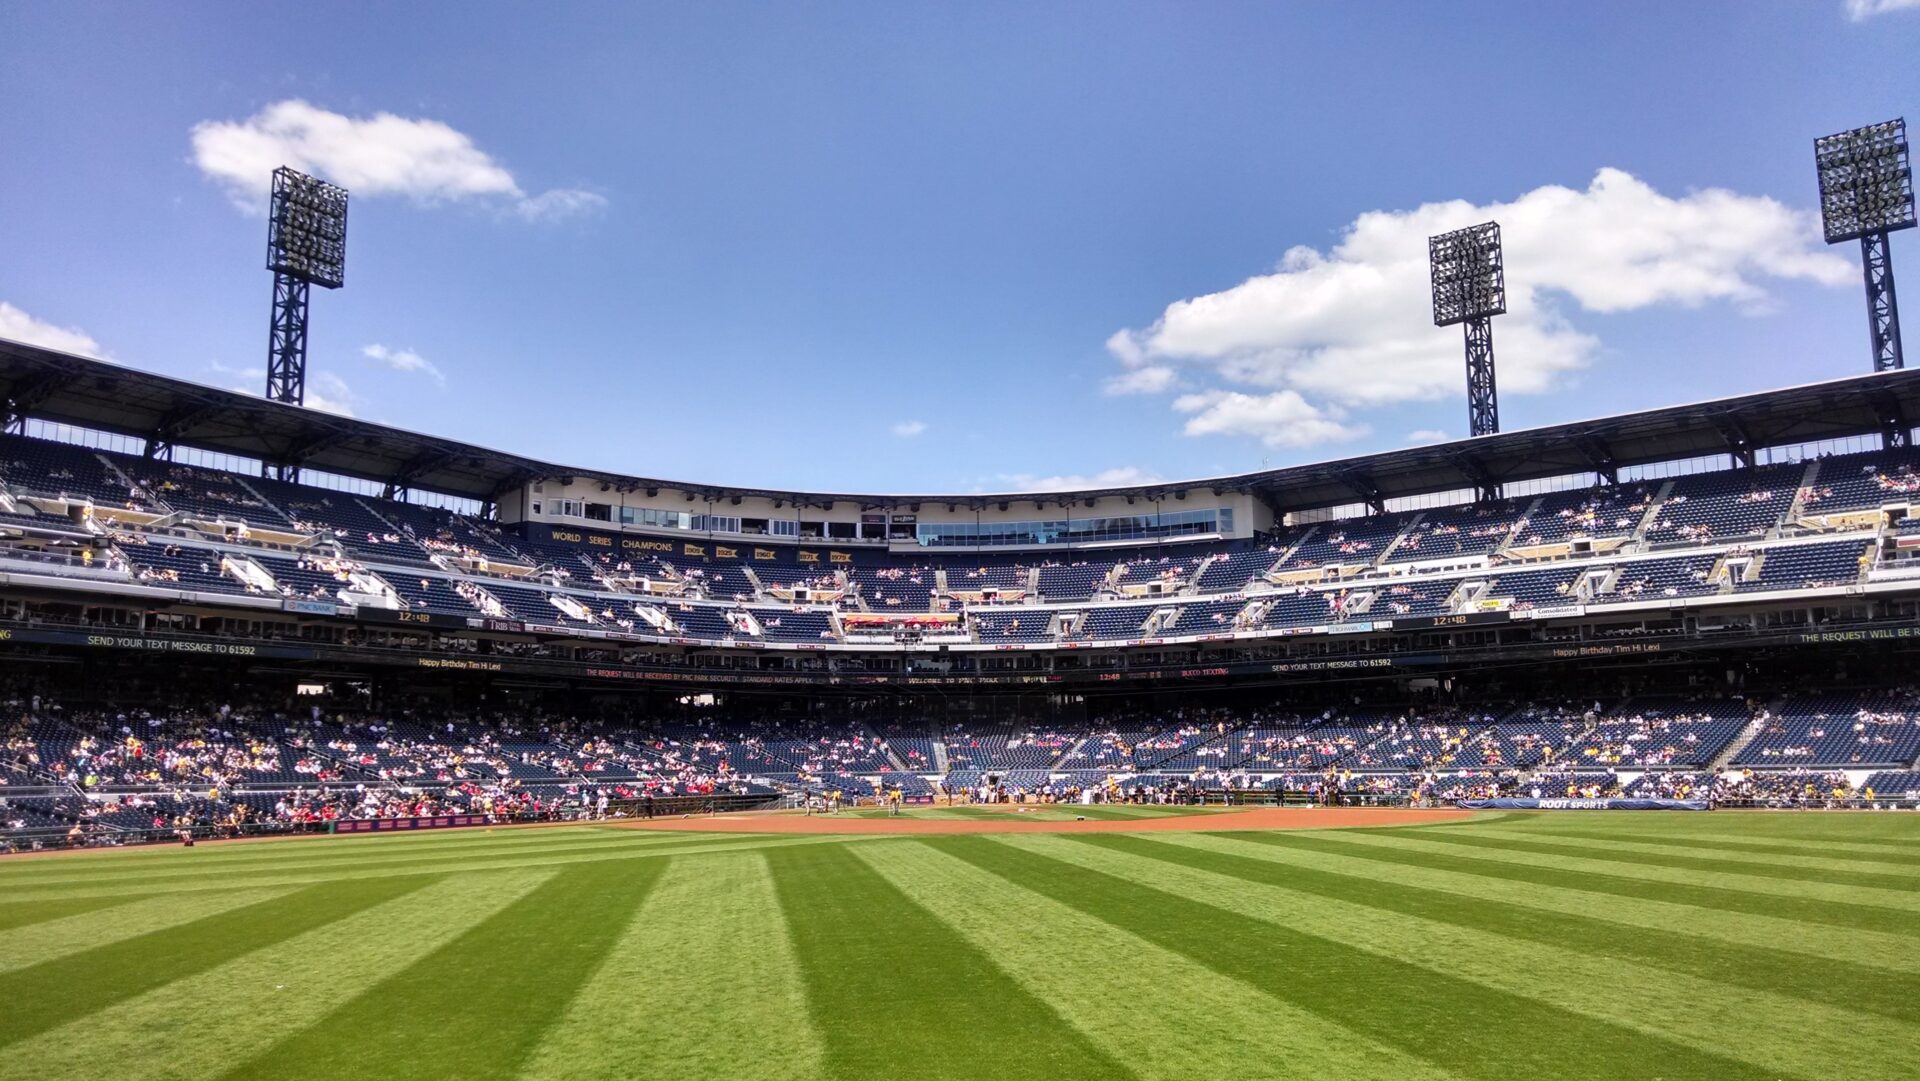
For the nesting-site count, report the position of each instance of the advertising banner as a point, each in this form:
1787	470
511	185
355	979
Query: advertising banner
1583	804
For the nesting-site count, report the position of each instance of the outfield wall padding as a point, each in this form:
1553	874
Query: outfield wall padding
1518	804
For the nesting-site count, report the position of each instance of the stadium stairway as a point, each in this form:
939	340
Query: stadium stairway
1067	754
1199	570
1393	545
381	518
1736	745
893	757
1287	555
1406	530
264	501
1519	522
116	471
1797	505
1652	515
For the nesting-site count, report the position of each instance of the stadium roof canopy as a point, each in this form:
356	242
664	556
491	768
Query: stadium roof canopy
51	386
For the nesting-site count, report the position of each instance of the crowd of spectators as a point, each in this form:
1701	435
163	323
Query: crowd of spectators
101	774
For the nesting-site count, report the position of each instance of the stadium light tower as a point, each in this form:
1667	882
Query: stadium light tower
1866	192
306	246
1470	287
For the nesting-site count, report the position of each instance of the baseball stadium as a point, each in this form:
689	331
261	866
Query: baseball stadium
333	748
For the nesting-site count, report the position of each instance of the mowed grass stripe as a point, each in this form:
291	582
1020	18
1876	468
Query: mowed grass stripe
1865	832
701	983
897	993
26	913
1467	1027
682	844
1801	869
1787	1035
200	1025
475	1007
1825	852
42	996
188	866
1176	1018
1665	888
93	927
1813	944
1773	880
1890	994
303	848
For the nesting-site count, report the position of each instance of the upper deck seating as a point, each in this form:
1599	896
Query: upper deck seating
64	471
1725	506
1597	513
1856	482
1471	530
1347	542
451	534
1239	566
206	494
1073	581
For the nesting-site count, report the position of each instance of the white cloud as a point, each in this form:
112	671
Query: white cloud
1351	327
907	429
383	154
1118	477
1867	9
1280	419
1140	377
1422	436
1125	349
329	393
403	360
560	204
326	391
1151	379
21	327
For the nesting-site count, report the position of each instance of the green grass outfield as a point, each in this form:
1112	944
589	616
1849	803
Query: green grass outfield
1512	947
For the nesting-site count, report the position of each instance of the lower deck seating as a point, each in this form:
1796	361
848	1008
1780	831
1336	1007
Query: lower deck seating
1848	730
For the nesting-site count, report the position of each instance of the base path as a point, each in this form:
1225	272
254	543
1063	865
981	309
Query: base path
1011	821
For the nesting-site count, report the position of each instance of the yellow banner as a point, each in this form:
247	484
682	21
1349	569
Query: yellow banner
809	557
764	553
725	553
694	549
839	557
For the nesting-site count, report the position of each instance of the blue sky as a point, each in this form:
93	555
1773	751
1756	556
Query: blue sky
910	247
